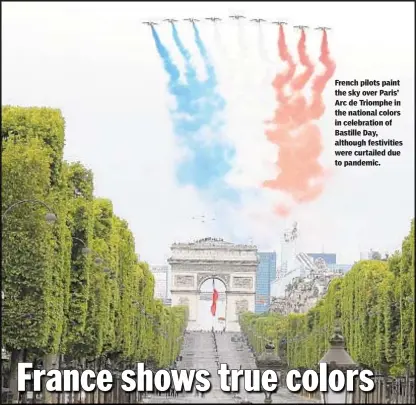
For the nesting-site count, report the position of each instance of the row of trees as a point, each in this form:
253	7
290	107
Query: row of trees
374	303
75	287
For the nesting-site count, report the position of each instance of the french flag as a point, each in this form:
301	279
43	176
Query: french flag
214	299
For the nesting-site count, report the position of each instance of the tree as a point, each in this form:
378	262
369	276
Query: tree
374	305
34	263
45	124
58	300
80	221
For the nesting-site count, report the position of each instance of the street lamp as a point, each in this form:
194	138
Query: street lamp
50	217
337	358
85	250
269	360
98	260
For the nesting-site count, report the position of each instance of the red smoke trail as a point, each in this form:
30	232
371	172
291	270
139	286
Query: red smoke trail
317	107
300	81
298	104
300	173
281	115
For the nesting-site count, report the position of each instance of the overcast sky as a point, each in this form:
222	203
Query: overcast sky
98	64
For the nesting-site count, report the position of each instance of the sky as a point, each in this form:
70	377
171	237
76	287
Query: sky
98	63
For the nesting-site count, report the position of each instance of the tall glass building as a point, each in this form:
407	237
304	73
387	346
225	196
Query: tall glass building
266	273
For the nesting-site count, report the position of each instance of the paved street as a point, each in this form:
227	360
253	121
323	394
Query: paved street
199	353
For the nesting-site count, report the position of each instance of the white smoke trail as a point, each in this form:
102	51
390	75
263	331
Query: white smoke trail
219	44
264	56
217	38
262	49
242	40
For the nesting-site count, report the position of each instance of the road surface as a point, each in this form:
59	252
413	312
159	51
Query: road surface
200	351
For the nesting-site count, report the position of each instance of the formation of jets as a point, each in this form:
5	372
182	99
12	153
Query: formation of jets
235	17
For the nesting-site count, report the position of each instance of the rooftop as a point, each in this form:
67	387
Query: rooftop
213	243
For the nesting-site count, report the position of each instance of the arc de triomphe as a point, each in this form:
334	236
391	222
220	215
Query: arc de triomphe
194	263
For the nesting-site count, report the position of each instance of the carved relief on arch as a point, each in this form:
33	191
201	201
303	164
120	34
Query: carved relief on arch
243	282
184	281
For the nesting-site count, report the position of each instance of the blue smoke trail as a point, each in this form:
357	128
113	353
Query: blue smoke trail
196	111
215	106
216	101
176	88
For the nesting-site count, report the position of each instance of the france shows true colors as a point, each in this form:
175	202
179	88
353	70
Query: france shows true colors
198	119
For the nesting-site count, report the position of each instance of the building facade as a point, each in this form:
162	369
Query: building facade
340	268
160	273
303	293
328	258
299	290
266	274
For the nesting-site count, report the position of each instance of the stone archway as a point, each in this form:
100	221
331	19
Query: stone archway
205	320
223	278
192	264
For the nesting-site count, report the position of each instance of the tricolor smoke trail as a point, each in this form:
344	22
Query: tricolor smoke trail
261	45
280	134
190	71
280	82
300	81
170	67
197	120
281	119
300	113
241	39
317	108
215	103
264	57
299	140
219	44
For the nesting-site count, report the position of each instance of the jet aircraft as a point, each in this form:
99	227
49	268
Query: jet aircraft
237	17
202	218
322	28
213	19
300	27
258	20
191	20
170	20
150	23
279	22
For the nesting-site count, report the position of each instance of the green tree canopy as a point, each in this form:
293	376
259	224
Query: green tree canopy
374	305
